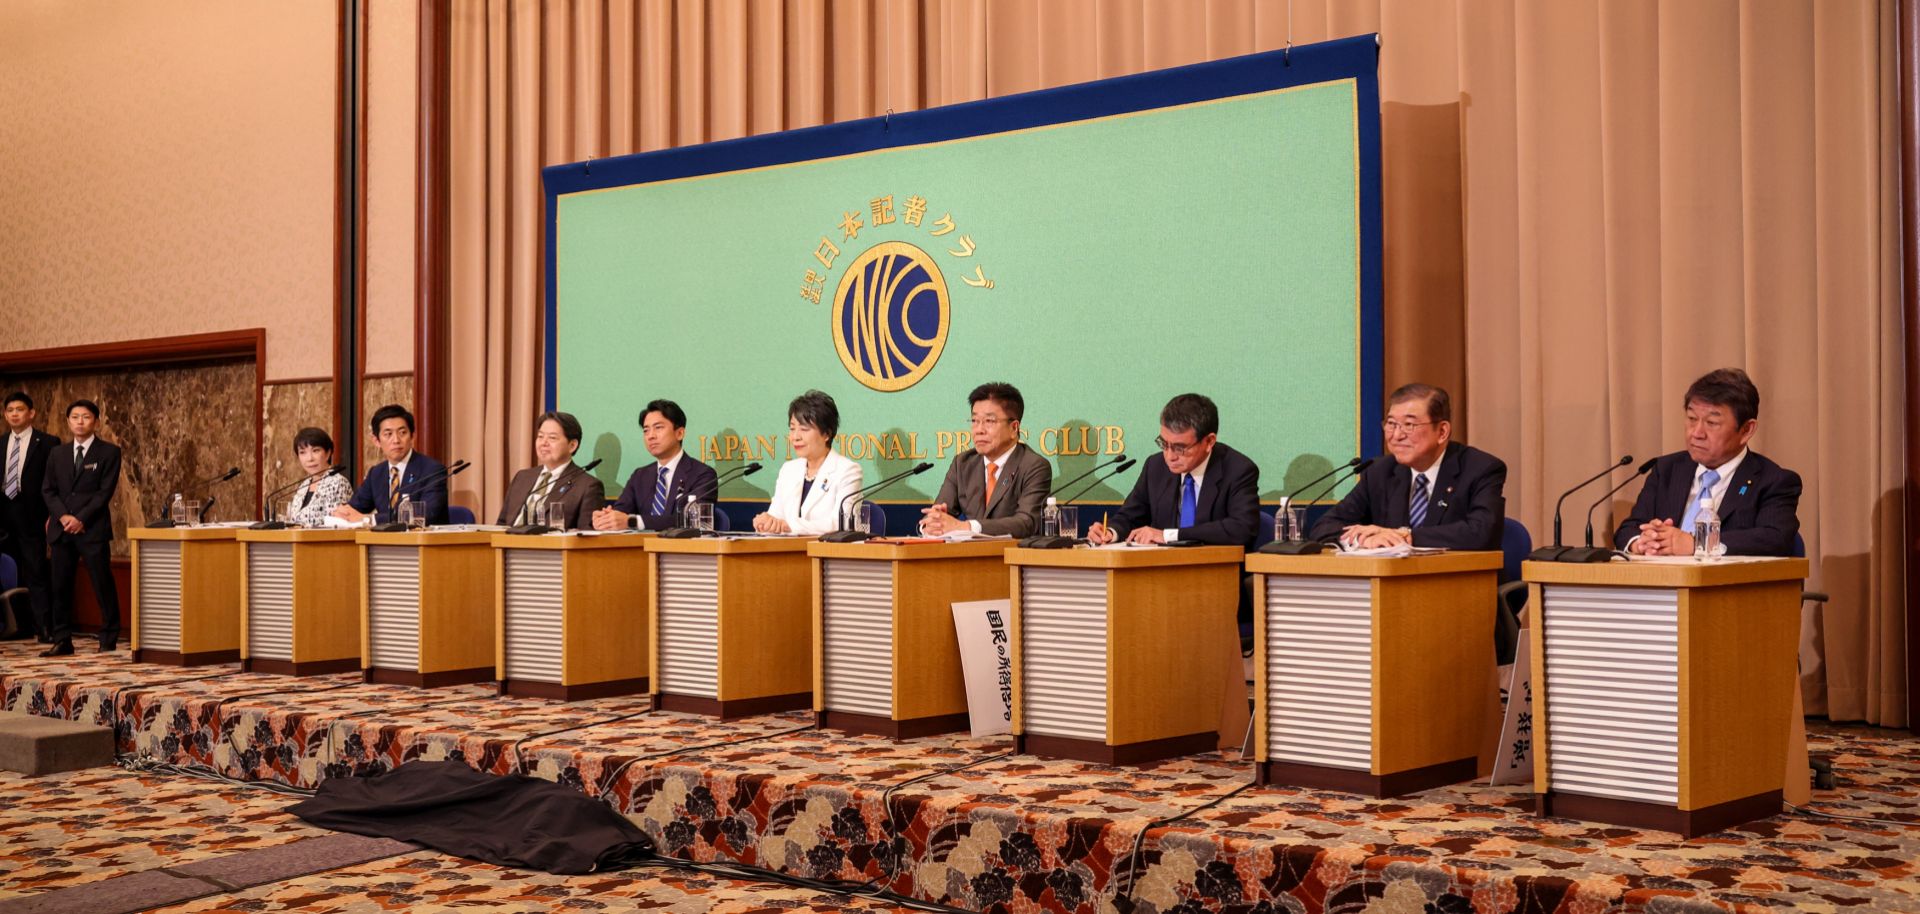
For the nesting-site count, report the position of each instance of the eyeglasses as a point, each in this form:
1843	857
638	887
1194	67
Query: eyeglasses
988	422
1395	426
1177	450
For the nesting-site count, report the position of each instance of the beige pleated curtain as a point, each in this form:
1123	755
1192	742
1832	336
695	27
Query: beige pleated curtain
1587	204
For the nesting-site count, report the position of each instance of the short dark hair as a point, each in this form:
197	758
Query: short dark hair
19	396
1191	411
1439	405
1007	395
668	410
815	408
87	405
391	411
1728	387
569	426
312	437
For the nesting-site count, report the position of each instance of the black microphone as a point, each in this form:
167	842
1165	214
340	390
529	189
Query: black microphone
1116	461
1043	541
713	488
447	472
1590	552
1304	546
1552	553
268	522
844	535
1286	501
166	520
536	528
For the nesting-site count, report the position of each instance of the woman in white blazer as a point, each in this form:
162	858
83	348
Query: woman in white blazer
807	496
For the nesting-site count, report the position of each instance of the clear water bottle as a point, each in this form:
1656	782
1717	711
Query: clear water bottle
1050	518
1706	530
403	512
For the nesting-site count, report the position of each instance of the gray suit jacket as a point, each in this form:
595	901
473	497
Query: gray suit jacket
580	492
1018	497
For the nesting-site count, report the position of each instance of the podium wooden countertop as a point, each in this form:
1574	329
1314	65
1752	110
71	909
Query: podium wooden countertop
1141	557
299	535
569	542
1333	564
1665	574
425	538
711	545
911	551
182	534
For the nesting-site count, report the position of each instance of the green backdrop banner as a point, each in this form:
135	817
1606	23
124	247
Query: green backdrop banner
1101	265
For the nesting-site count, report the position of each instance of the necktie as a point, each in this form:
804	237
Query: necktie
1186	500
1707	481
660	492
13	467
1418	513
530	512
393	485
993	476
79	454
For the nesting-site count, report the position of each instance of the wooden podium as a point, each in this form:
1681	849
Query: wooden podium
571	611
730	625
426	607
300	609
186	595
1373	675
1663	693
1112	650
885	658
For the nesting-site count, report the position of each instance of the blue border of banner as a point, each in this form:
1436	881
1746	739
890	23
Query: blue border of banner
1354	58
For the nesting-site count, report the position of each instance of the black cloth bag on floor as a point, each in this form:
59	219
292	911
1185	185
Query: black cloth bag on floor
509	821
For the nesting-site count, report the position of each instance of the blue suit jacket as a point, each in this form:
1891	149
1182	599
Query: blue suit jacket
693	477
371	497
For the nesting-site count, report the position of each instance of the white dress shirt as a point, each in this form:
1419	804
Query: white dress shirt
1199	475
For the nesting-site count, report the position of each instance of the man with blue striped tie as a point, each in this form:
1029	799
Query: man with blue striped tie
1435	492
657	493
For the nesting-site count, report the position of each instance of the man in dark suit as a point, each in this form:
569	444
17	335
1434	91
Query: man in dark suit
23	508
405	471
1756	499
1000	486
656	493
80	481
1196	489
556	481
1435	491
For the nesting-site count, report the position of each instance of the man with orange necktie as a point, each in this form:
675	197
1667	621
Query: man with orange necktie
1000	486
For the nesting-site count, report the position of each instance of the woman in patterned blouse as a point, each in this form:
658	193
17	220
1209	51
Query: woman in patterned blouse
322	490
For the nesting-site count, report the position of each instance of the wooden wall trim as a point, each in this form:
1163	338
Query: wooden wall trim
430	346
1907	39
343	365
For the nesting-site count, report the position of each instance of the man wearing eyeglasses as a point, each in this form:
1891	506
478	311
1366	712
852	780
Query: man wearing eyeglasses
1435	492
1000	486
1196	489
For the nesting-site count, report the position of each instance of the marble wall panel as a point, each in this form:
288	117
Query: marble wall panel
175	424
285	410
375	393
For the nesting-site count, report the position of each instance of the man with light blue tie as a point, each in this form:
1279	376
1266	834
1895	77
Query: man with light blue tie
656	493
1757	500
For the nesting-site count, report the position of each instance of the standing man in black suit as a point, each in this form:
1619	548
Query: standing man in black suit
81	479
656	493
23	509
1196	489
999	486
1435	492
1757	499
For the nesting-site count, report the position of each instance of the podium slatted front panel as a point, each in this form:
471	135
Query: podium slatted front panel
857	636
393	607
270	601
159	609
1613	679
533	615
689	595
1063	631
1320	670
